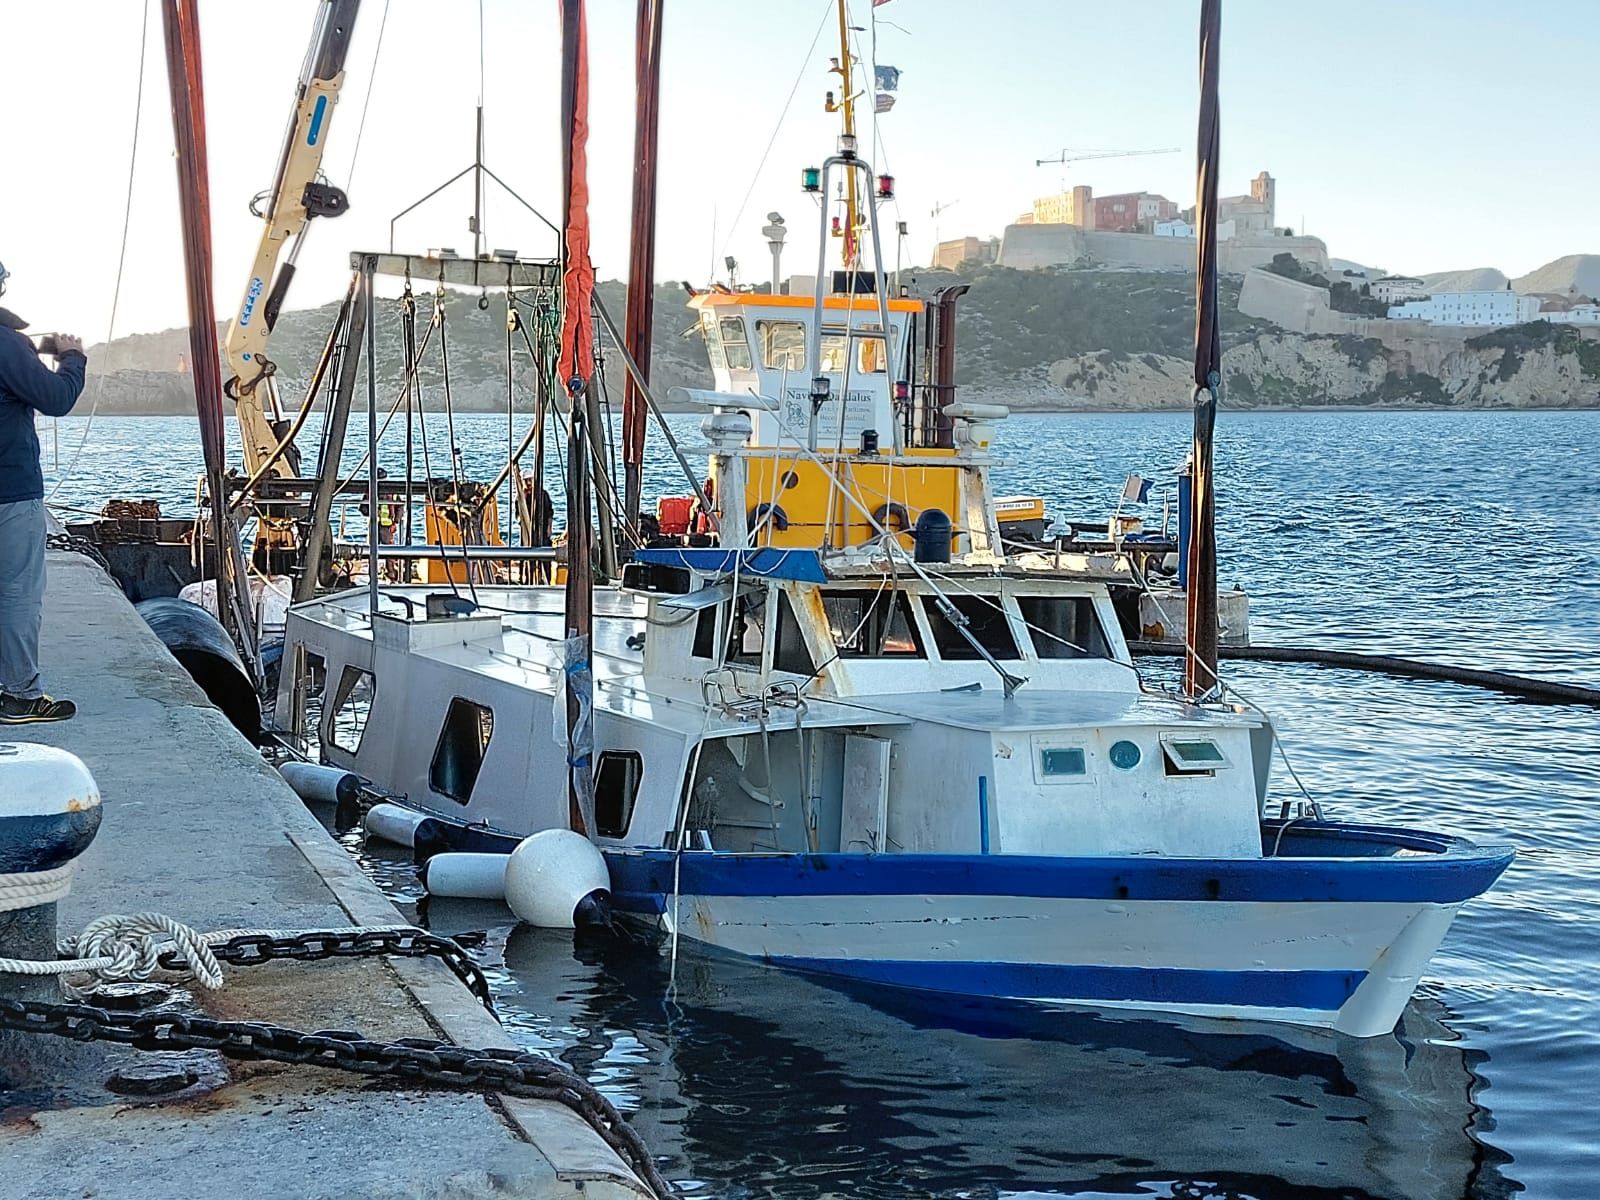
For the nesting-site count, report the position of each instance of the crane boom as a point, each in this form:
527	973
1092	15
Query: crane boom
296	196
1068	157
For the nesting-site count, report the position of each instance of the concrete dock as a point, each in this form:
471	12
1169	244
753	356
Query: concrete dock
198	827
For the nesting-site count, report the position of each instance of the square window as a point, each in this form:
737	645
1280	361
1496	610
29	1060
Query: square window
463	742
616	787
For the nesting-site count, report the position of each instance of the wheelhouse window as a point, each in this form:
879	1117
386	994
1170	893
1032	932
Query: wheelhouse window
986	621
616	787
463	742
735	343
871	355
873	624
352	705
783	344
790	652
1064	626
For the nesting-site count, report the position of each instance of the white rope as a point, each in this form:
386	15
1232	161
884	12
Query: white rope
122	947
29	889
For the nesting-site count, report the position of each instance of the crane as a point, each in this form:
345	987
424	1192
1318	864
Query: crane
1066	155
939	206
297	195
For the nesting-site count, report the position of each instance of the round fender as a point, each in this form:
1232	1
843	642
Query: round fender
767	514
894	509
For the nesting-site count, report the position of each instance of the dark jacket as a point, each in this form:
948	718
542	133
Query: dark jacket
28	386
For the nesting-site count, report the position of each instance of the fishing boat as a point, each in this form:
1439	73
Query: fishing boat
839	725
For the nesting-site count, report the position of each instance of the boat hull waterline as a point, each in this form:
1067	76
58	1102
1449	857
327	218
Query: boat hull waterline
1333	931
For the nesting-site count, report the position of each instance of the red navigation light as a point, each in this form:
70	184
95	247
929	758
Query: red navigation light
885	187
902	390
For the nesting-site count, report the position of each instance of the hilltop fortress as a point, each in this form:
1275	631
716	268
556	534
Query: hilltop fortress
1139	231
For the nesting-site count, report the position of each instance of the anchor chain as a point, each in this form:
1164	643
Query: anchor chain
253	949
414	1061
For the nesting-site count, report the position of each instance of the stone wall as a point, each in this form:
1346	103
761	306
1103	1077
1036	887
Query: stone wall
1030	247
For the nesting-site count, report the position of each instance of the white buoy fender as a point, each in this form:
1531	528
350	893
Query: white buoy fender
315	782
553	875
466	876
392	823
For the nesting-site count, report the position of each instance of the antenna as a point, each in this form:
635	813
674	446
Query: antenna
939	206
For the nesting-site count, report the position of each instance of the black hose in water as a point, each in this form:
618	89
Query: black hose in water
1544	691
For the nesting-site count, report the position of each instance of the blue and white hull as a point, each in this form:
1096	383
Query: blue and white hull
1339	942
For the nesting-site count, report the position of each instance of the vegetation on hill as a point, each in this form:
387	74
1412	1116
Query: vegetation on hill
1343	296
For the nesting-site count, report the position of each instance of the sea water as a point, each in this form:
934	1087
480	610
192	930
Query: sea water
1467	537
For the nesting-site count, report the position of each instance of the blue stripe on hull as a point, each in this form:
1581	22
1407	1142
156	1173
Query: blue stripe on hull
1460	873
1324	991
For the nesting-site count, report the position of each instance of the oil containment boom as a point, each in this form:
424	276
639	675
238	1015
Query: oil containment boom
297	195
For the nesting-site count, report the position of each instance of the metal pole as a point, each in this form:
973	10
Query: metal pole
1200	660
333	447
777	267
410	317
372	441
641	261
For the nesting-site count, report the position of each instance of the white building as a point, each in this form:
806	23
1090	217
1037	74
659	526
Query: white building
1578	314
1396	289
1174	228
1503	307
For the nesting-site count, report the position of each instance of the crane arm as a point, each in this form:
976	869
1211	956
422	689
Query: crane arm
295	197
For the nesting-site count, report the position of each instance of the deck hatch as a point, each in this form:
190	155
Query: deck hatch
1188	754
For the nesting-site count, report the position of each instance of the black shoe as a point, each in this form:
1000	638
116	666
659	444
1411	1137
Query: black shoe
14	710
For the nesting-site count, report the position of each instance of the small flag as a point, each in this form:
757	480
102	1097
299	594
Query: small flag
883	102
1136	489
888	78
876	3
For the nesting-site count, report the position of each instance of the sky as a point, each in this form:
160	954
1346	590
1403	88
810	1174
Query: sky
1413	135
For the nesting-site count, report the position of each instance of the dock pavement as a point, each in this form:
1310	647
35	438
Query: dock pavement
197	826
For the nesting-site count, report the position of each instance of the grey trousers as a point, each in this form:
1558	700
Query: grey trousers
21	596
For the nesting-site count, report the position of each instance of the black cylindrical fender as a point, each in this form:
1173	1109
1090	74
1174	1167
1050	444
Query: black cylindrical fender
199	642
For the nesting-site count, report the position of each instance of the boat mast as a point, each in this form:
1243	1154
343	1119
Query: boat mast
180	21
1200	651
642	253
576	373
847	106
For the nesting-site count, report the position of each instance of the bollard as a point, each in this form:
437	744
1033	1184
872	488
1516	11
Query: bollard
49	812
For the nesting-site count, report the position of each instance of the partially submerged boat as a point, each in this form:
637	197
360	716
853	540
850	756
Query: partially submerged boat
840	725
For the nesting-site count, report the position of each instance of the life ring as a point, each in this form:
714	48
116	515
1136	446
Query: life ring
892	509
768	514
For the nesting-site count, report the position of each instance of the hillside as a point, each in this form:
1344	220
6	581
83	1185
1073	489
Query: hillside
1474	279
1573	273
1056	340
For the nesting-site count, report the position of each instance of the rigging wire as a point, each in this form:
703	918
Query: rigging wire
366	104
122	254
805	66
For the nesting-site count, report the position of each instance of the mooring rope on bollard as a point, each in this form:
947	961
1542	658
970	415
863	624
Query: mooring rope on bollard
29	889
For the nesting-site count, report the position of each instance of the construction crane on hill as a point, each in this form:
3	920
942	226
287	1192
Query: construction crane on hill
1067	156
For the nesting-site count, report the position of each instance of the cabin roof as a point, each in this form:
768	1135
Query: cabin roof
862	303
1039	709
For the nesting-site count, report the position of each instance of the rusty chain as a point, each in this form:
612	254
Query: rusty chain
414	1061
253	949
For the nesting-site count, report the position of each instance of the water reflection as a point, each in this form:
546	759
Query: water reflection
755	1082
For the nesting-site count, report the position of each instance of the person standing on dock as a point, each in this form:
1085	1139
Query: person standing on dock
27	387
